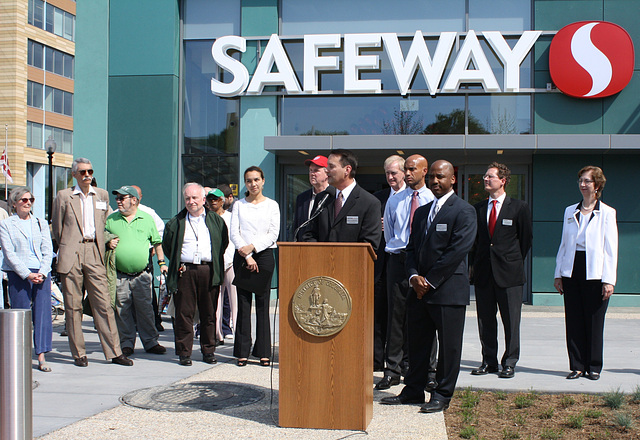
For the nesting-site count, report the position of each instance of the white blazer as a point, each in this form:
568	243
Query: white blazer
601	243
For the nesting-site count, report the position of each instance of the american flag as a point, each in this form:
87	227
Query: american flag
4	162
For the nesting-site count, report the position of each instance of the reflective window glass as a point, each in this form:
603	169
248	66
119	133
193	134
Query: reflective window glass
500	15
501	114
68	66
58	22
34	55
68	103
301	17
50	26
369	115
69	21
58	65
206	19
34	94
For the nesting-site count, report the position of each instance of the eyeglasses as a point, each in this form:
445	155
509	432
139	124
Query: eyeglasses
121	198
585	181
85	172
489	177
25	199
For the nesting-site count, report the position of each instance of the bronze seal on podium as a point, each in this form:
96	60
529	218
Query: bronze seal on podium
321	306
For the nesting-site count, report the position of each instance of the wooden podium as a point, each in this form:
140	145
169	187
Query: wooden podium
327	382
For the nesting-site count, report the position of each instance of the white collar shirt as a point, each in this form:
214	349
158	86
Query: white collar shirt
500	200
88	217
196	239
346	192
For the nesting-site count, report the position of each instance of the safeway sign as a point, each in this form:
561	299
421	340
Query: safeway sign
470	64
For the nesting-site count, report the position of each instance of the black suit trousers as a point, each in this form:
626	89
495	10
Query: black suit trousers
397	291
490	298
584	312
379	310
425	320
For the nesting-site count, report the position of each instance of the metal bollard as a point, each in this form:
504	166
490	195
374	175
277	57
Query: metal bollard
16	416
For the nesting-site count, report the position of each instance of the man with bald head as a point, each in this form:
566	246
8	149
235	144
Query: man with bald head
442	235
398	218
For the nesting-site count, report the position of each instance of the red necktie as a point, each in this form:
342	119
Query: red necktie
338	205
414	206
492	218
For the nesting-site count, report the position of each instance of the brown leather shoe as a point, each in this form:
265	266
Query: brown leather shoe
157	349
122	360
81	362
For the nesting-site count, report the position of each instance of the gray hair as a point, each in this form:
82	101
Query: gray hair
187	185
394	159
16	194
79	160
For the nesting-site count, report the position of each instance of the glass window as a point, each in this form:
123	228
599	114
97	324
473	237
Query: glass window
58	101
36	13
68	103
48	58
34	56
34	135
501	114
211	124
301	17
69	24
34	94
58	22
205	19
50	20
513	16
68	66
67	142
58	63
370	115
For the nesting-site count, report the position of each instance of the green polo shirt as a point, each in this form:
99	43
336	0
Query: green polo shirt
132	252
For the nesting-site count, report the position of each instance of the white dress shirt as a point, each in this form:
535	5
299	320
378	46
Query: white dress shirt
498	206
257	224
196	239
88	218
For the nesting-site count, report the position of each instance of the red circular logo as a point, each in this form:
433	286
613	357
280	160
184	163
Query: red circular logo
591	59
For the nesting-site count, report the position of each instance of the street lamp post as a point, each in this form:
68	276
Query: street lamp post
50	145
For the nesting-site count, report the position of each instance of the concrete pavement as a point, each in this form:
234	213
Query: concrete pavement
72	402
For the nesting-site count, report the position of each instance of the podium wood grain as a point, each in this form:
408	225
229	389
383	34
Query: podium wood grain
327	382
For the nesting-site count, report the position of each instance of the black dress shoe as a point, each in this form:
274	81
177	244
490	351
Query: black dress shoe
387	382
219	342
185	360
209	358
593	376
127	351
484	369
156	349
122	360
575	374
507	373
401	400
81	362
431	385
434	405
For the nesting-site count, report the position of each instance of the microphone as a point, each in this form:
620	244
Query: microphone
316	212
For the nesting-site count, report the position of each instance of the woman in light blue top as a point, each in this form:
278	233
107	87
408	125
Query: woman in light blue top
27	251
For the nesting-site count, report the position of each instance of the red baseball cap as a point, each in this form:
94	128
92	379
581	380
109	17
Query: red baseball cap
321	161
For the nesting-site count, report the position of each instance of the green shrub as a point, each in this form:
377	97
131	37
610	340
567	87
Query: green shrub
592	413
551	434
523	400
635	395
468	432
613	399
501	395
546	414
567	401
575	421
508	434
623	420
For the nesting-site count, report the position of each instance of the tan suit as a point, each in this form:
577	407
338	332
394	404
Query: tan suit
81	264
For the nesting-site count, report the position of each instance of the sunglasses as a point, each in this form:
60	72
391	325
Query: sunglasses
121	198
25	199
85	172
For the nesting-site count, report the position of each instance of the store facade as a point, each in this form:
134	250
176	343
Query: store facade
199	90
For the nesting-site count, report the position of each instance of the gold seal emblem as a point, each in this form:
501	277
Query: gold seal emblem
321	306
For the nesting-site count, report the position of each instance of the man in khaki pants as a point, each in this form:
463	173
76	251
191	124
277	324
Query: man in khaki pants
78	219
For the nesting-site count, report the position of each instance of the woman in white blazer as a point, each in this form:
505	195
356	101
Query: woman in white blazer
585	273
27	251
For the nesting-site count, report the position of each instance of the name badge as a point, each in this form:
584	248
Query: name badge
197	258
352	219
570	219
441	227
101	205
507	222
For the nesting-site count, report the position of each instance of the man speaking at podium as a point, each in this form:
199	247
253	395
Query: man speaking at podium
352	215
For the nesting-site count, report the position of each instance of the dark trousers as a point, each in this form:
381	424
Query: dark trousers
380	311
584	312
489	299
194	289
242	343
397	291
37	298
425	320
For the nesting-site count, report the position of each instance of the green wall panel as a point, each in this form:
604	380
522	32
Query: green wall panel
554	183
259	17
620	170
546	240
555	113
143	134
144	37
622	111
555	14
91	86
628	268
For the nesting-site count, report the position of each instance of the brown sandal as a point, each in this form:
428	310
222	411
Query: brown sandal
265	362
242	362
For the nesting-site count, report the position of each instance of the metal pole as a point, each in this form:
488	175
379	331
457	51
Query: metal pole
16	407
50	202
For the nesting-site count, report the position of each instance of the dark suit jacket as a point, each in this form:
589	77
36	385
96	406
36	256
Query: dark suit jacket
380	264
439	254
302	209
357	222
503	254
